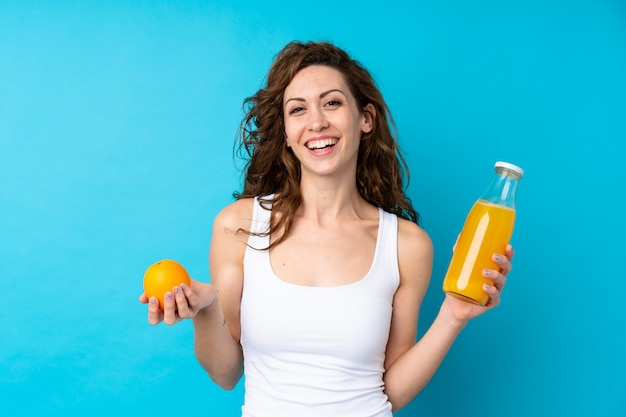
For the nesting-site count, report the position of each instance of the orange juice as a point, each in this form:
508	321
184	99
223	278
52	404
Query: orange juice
487	230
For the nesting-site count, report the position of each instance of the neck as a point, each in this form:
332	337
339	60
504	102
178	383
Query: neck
327	201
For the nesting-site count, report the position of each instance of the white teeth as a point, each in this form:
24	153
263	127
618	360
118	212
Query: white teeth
319	144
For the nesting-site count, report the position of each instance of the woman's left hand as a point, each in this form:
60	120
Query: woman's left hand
463	310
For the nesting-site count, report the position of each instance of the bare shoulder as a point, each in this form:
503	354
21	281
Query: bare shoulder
413	240
415	259
415	254
229	239
235	216
228	246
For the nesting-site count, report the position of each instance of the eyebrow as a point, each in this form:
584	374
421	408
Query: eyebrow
322	95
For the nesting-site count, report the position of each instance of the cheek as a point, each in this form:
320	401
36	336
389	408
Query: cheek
291	130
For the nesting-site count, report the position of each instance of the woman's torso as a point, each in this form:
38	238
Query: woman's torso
318	349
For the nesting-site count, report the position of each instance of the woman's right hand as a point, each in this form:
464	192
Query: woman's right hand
183	302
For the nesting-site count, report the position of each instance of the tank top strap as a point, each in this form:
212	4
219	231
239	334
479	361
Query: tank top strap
387	250
260	225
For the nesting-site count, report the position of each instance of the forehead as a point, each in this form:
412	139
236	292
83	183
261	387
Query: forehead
314	80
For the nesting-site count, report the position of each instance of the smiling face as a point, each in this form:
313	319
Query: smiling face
322	121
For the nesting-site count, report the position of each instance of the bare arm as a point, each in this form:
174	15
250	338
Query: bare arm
409	365
415	368
216	350
415	257
217	327
214	307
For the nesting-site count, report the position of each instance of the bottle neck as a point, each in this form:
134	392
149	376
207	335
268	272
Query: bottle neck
502	188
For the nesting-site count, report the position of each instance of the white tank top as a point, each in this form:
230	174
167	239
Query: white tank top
316	351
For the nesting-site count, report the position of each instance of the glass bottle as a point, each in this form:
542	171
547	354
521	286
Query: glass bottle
487	230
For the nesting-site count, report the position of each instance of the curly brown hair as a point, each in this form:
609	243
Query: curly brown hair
272	168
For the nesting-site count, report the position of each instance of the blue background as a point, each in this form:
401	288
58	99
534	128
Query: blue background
117	122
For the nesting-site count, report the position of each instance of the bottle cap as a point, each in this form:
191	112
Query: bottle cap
501	164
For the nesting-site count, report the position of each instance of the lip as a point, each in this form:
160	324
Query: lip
318	138
323	150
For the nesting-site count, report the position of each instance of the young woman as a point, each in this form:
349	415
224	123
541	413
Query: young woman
319	267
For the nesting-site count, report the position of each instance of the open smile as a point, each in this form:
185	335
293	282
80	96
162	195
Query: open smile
321	143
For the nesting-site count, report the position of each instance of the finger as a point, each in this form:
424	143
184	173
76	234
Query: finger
143	298
494	295
193	301
510	252
505	264
498	278
184	311
169	309
155	315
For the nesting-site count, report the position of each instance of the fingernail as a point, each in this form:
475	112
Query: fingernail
183	286
176	290
497	258
153	300
487	272
168	295
486	287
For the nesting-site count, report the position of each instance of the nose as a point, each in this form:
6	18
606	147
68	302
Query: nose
317	120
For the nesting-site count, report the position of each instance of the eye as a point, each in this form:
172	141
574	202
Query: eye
333	103
296	110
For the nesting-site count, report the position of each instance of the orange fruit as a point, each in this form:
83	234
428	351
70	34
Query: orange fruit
163	276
